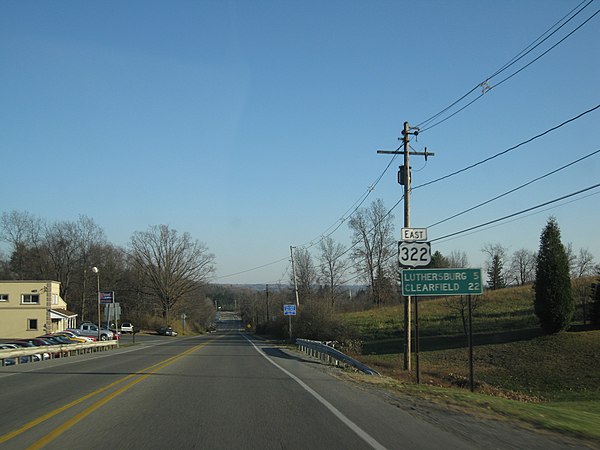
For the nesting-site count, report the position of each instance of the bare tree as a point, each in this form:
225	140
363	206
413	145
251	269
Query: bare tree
333	267
173	264
373	243
459	304
584	263
24	232
458	259
90	237
572	259
522	266
306	273
61	248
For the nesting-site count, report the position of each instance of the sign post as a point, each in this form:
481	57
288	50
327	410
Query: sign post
289	310
444	282
413	251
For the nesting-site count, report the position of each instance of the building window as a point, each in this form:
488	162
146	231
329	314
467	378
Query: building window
55	299
32	324
30	299
3	297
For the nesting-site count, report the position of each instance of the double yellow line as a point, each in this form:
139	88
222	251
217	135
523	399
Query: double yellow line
141	375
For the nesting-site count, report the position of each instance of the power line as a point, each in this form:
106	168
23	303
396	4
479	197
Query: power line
516	214
515	189
485	87
326	233
514	147
252	269
353	208
523	217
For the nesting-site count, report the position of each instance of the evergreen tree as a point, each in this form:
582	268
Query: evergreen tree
438	261
494	272
553	302
595	305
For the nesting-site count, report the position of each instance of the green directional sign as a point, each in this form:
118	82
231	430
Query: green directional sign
428	282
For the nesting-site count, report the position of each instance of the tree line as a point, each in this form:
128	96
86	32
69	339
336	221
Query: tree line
160	273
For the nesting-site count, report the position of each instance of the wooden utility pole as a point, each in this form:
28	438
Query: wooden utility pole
267	303
295	279
404	178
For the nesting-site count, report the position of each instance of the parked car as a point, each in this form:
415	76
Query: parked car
12	361
166	331
75	334
74	338
91	330
126	327
25	344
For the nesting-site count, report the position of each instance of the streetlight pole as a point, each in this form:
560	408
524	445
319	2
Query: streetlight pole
97	272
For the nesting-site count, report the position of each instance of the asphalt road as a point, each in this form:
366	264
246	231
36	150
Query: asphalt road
226	390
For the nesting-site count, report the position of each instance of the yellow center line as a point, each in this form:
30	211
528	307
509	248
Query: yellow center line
144	374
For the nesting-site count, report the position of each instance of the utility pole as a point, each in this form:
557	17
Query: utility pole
294	272
267	303
404	178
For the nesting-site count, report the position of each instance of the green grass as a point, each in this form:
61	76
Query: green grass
547	381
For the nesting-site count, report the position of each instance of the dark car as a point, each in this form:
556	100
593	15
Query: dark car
56	339
166	331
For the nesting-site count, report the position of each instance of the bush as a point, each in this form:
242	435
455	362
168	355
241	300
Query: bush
317	321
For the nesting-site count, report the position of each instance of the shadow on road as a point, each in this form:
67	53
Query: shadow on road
278	353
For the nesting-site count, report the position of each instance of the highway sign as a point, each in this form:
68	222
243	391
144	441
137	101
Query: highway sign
428	282
289	310
414	254
413	234
106	297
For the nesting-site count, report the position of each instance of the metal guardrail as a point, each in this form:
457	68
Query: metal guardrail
330	355
54	351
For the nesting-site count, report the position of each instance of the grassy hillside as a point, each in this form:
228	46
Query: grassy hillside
550	381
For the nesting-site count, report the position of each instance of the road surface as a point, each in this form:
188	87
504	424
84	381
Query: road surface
226	390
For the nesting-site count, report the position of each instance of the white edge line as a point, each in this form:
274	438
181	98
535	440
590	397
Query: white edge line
336	412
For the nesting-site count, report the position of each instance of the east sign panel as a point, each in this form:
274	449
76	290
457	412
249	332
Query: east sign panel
441	282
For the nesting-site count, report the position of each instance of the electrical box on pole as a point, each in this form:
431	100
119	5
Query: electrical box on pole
401	175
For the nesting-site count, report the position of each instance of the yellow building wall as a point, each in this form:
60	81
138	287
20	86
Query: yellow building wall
16	317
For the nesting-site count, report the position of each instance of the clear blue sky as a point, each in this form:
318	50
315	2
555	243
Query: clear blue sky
254	125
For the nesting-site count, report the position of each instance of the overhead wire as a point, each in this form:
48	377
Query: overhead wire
514	147
516	213
523	217
498	220
515	189
353	209
485	84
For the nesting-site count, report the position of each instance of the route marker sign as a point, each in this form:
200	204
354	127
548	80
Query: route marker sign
441	282
289	310
413	234
414	254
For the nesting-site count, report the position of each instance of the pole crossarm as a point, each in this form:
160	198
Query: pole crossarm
398	152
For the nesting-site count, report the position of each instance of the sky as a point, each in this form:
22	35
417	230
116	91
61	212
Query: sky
254	125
